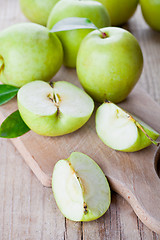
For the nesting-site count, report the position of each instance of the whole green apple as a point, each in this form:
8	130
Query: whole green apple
151	13
37	10
80	188
120	10
120	131
28	52
108	67
53	110
71	40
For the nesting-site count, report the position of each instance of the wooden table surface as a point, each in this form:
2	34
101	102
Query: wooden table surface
28	210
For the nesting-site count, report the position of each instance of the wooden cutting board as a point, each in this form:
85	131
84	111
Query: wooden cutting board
133	175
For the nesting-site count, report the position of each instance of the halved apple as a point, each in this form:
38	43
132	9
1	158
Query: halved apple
120	131
55	109
80	188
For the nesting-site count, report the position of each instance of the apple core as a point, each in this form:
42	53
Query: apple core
55	98
1	63
54	109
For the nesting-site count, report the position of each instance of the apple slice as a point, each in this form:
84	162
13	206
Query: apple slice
120	131
80	188
55	109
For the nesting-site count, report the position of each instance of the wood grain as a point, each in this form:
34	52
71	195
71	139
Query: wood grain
132	175
28	210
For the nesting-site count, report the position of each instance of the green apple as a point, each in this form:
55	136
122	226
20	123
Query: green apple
54	109
120	10
80	188
151	13
120	131
28	52
71	40
37	10
108	67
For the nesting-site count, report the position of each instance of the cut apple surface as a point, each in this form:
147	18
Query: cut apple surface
55	109
120	131
80	188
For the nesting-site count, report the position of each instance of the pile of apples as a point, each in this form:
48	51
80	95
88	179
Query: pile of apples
109	63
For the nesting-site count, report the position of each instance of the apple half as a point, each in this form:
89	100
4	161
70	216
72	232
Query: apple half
80	188
120	131
54	109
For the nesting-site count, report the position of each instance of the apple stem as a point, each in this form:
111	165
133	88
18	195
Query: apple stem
103	34
107	101
51	84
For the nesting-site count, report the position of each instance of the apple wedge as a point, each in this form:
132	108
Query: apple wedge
54	109
120	131
80	188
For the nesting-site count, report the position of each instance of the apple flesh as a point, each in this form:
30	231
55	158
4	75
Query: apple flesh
71	39
54	110
80	188
151	13
28	52
37	10
109	67
120	131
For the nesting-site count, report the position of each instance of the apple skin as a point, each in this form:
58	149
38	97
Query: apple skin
142	140
120	11
53	124
29	52
151	13
71	40
108	68
37	10
43	125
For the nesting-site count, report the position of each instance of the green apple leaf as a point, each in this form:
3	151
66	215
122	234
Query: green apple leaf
7	92
13	126
72	23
